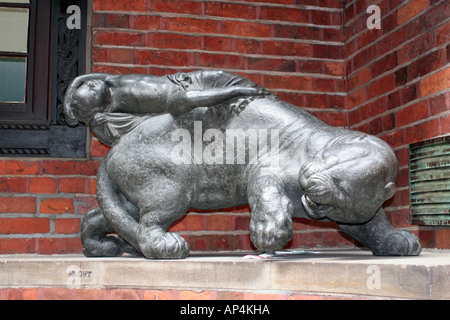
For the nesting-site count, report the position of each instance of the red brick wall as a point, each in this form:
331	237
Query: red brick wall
309	52
398	85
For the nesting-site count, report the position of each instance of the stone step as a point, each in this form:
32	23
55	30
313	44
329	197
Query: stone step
329	272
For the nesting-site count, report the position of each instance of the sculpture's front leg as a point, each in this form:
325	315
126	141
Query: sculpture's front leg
271	218
382	238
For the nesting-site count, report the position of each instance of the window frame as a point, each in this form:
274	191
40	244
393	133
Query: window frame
39	130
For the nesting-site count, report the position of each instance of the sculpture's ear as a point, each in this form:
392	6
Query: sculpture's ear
389	190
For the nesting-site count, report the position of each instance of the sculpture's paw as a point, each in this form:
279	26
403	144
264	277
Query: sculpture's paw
270	236
401	243
104	247
166	245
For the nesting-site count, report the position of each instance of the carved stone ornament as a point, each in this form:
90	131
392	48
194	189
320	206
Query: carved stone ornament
211	140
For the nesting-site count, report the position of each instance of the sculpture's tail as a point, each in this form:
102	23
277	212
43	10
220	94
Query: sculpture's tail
114	209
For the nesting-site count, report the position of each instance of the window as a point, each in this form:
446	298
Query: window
39	57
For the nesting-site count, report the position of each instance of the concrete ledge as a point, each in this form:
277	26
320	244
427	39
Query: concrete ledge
349	272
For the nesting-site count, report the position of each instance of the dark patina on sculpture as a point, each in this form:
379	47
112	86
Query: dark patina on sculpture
321	172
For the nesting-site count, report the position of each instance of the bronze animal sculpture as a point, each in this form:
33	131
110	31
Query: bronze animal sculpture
317	172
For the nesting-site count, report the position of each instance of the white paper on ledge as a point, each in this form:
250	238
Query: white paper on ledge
279	254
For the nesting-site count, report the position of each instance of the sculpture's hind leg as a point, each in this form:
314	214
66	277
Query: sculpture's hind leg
382	238
152	236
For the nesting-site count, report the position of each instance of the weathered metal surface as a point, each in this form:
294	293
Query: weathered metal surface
429	181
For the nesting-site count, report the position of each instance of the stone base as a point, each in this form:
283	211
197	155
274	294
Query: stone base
353	274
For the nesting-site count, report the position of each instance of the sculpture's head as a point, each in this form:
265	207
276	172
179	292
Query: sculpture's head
81	103
349	179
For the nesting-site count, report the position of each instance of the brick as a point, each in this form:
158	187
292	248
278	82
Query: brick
285	14
438	104
422	131
381	86
412	113
42	185
174	41
219	61
230	10
220	223
244	28
320	17
310	66
13	185
157	295
328	51
242	222
18	167
295	98
99	54
116	5
125	56
374	108
416	48
110	20
426	64
394	139
411	9
150	23
356	98
334	68
22	294
191	25
18	205
271	64
119	38
409	93
72	185
364	57
98	149
288	82
91	294
118	69
67	226
123	294
443	34
218	44
16	246
56	205
443	239
188	223
401	76
85	203
368	37
248	46
186	7
434	83
316	101
324	85
394	100
359	78
333	35
194	295
59	246
70	167
391	41
388	122
336	119
297	32
24	225
160	57
386	63
55	294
